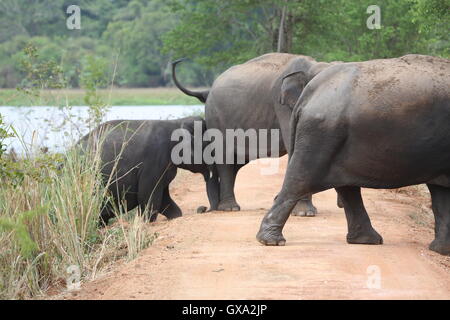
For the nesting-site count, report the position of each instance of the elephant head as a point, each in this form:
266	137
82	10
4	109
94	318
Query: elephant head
195	127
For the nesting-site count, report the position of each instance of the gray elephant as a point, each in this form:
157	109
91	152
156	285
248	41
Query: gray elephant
259	94
374	124
145	168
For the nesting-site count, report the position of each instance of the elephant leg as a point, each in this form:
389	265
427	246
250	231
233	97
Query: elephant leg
105	215
298	183
212	189
227	175
150	202
307	173
126	200
339	201
168	207
360	230
305	207
152	183
150	196
440	200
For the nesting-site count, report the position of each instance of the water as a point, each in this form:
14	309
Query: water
57	128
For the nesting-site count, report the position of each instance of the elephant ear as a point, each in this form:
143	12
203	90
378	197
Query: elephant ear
292	86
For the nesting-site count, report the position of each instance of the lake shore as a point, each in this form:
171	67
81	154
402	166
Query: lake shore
116	97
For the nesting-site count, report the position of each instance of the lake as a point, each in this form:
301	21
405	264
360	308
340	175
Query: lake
57	128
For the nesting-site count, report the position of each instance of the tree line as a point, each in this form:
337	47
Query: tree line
131	42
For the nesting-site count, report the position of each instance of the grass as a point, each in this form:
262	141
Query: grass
114	97
49	224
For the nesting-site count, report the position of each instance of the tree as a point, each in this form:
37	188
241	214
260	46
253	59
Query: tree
135	33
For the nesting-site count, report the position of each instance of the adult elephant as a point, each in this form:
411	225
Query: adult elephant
138	164
375	124
258	94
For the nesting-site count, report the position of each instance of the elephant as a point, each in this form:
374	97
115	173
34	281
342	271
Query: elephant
136	158
258	94
379	124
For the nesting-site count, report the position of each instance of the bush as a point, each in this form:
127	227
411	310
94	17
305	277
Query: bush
49	222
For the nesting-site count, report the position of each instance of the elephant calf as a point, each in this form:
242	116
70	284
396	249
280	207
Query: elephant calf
136	156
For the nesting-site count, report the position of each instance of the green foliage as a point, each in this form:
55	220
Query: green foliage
135	31
225	32
5	133
146	35
18	225
49	222
94	76
40	74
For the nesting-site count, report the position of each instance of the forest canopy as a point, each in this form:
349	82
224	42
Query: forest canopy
137	39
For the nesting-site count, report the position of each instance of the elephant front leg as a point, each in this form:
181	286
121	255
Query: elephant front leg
360	230
270	231
440	199
305	207
227	175
294	188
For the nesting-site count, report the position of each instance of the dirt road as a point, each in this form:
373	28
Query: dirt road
215	255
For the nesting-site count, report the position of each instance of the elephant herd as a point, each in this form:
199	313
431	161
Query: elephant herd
376	124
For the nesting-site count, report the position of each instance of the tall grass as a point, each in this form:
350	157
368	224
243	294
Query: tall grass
50	203
49	222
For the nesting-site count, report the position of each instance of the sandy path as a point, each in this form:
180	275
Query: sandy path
216	256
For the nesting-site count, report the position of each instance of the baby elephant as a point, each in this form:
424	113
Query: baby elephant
136	156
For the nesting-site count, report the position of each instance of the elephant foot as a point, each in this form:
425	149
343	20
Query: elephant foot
304	208
202	209
339	202
441	247
271	236
228	205
153	215
364	237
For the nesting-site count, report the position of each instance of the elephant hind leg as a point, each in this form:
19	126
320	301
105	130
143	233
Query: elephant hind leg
150	200
360	230
122	201
227	174
168	207
305	207
440	199
105	215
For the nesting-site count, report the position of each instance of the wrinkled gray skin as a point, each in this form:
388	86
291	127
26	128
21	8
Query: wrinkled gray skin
375	124
145	170
259	94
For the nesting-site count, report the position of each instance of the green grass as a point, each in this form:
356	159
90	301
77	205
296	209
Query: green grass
114	97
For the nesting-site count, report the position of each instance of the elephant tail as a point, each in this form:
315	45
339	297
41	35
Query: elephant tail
200	95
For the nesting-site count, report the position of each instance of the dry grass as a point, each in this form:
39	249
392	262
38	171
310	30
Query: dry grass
49	226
